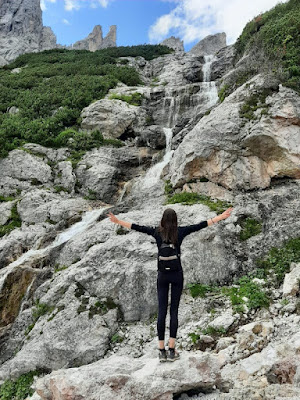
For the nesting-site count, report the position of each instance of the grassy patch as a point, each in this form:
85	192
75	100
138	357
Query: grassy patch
121	231
224	92
200	290
13	222
116	338
58	268
277	33
134	99
91	196
39	310
194	198
19	389
247	289
250	227
4	199
255	102
278	261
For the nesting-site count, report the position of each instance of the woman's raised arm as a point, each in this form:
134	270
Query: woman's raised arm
219	217
115	220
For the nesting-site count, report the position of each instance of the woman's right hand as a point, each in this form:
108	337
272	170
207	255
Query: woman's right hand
113	218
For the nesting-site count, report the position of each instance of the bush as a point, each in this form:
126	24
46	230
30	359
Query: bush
135	99
193	198
277	33
250	227
19	389
278	260
13	222
55	85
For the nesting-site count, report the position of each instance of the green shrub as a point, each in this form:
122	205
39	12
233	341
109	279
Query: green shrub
193	198
257	298
200	290
116	338
13	222
134	99
250	227
254	102
19	389
55	85
278	260
277	33
3	199
223	92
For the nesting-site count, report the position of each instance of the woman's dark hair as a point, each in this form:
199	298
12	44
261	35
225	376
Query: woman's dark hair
168	226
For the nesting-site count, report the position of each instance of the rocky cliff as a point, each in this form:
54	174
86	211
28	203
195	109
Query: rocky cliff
22	31
78	294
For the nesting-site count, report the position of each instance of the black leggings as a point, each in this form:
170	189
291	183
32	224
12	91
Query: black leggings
164	279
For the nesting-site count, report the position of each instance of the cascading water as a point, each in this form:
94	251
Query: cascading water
88	219
208	85
153	175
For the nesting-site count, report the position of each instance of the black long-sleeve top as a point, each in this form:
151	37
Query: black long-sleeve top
183	231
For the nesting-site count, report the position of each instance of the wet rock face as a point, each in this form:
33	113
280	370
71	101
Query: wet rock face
237	154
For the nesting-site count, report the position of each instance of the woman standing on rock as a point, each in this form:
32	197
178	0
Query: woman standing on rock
168	238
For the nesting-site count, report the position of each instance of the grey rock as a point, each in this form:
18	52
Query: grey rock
223	62
111	117
5	211
291	281
38	206
133	378
252	154
21	166
173	43
95	40
209	45
153	136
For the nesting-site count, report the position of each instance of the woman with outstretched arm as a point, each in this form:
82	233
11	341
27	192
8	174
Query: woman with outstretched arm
169	237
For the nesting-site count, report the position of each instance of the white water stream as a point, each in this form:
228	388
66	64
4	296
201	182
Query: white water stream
153	174
87	220
208	85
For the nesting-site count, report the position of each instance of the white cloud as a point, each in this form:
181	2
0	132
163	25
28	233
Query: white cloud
194	19
66	22
77	4
44	4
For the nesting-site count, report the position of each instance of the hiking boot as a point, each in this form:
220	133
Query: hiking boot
173	355
162	355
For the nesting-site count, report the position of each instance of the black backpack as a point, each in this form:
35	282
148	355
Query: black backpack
168	258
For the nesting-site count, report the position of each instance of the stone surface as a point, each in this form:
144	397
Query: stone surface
95	40
173	43
209	45
143	378
291	281
22	31
113	118
252	154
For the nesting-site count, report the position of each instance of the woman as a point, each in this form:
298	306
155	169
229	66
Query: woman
168	238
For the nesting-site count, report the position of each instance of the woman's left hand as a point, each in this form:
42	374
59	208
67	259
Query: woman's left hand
227	213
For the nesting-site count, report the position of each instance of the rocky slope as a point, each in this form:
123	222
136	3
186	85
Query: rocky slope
78	295
22	31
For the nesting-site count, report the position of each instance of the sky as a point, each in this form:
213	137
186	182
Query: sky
151	21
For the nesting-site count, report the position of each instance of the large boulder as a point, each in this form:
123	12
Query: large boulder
19	169
140	379
113	118
228	151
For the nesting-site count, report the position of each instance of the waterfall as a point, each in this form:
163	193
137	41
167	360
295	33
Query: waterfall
209	86
153	174
88	219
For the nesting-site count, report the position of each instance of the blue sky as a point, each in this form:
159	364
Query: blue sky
151	21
